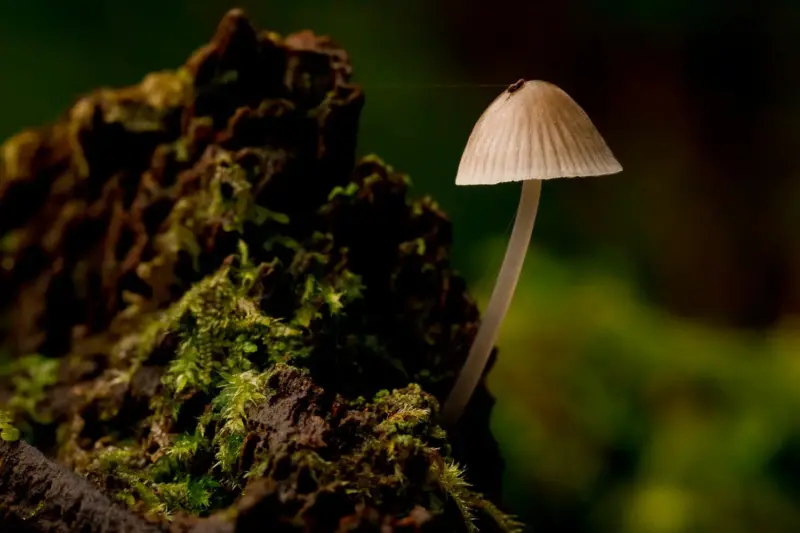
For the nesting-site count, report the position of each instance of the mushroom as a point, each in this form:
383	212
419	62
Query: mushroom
533	131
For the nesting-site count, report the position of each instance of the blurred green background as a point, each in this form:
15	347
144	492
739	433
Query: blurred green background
649	370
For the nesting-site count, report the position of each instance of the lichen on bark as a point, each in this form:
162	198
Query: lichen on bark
222	320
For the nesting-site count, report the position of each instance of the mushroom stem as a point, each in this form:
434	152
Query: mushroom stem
503	292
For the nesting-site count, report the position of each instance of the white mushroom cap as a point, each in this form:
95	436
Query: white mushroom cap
534	130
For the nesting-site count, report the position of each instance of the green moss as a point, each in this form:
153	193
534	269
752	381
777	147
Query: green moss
31	375
401	452
7	430
226	349
228	352
155	490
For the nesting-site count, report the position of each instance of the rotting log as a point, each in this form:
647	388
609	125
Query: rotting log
224	321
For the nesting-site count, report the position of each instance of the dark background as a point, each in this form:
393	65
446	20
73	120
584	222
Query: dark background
649	373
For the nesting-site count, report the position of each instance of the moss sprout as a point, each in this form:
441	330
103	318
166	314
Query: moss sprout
7	430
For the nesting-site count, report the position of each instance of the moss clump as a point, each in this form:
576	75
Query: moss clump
31	375
224	413
239	323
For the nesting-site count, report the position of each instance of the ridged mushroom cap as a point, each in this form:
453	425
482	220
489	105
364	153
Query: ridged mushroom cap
533	130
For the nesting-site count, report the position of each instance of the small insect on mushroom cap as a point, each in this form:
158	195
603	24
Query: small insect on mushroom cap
534	130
